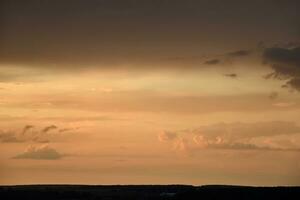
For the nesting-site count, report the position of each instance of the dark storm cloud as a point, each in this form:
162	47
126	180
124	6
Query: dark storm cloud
286	64
294	83
284	61
63	34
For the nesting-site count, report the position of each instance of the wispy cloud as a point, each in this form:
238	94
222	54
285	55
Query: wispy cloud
30	133
67	129
27	128
212	62
239	53
49	128
232	75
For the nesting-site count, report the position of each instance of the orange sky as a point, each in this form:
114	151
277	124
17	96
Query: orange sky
192	92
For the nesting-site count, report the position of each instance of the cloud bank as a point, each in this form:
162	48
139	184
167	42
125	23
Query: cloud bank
236	136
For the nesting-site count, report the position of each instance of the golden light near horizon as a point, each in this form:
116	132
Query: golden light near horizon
159	92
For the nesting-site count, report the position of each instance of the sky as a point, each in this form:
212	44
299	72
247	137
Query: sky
150	92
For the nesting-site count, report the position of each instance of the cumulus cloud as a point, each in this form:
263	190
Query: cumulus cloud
43	152
286	65
166	136
234	136
181	145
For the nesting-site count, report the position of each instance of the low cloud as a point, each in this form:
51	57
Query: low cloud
235	136
43	152
286	65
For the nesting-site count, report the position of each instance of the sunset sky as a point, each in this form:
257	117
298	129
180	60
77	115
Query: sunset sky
150	92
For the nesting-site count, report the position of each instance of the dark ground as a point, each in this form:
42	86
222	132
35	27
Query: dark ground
144	192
